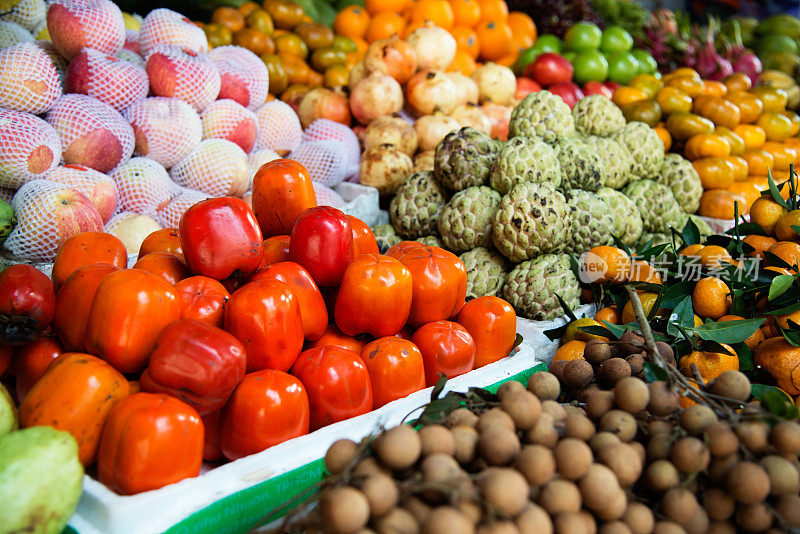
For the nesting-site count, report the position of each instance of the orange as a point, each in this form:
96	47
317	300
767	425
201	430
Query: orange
641	271
783	320
648	300
688	84
685	401
384	25
706	146
784	230
606	264
573	332
713	256
774	100
624	96
665	136
787	251
794	142
374	7
765	212
718	204
352	22
691	250
493	10
495	39
257	42
440	12
782	361
734	139
795	118
752	341
714	88
710	364
463	63
783	181
759	161
750	107
466	12
753	136
776	127
519	43
738	81
747	193
466	40
229	17
715	172
609	314
760	243
782	154
741	170
711	298
761	182
673	100
248	7
522	24
572	350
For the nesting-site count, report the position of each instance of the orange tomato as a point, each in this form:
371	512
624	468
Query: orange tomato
282	189
203	299
75	394
335	337
447	349
494	37
492	323
84	249
439	284
166	265
714	172
363	239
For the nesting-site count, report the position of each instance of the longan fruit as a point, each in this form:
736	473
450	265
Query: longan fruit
636	361
784	478
343	509
732	384
544	432
690	455
560	495
638	448
441	468
506	490
579	427
754	435
756	517
639	518
571	409
659	426
498	445
507	388
436	438
446	520
630	343
381	493
462	417
788	507
613	370
679	505
534	520
573	458
614	527
582	394
601	439
570	523
465	441
397	521
614	508
598	403
536	463
597	486
719	467
696	418
721	439
495	417
623	460
747	482
666	352
785	437
544	385
499	527
619	422
661	475
659	446
596	351
339	455
523	407
398	448
631	394
663	400
699	522
554	409
417	508
668	527
721	527
370	466
719	505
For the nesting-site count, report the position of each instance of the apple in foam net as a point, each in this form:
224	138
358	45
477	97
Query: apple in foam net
183	73
164	26
112	80
244	77
76	24
226	119
97	187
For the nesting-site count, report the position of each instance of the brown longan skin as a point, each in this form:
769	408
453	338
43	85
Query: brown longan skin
720	466
619	422
666	352
498	527
339	455
495	416
523	407
397	520
498	445
721	439
748	483
756	517
699	523
614	527
465	443
754	435
784	479
596	351
690	455
613	370
631	394
639	518
544	385
446	520
536	463
630	343
696	418
534	520
344	509
508	388
579	427
601	439
679	505
573	458
788	506
398	448
661	475
436	438
381	493
636	361
506	490
598	403
560	495
462	417
553	408
597	488
623	460
785	437
732	384
663	400
659	446
544	432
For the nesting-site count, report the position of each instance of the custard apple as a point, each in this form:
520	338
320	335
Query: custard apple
532	219
531	287
486	272
466	220
679	174
645	146
627	222
702	226
597	115
656	204
592	223
430	240
416	206
464	158
385	236
581	167
525	159
542	114
616	158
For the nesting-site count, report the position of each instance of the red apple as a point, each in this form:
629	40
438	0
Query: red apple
612	85
112	80
227	119
499	116
549	69
596	88
97	187
569	92
183	73
76	24
526	86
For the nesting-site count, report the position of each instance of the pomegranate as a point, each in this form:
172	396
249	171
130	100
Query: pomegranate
466	88
424	161
391	130
432	128
499	116
392	56
496	84
384	167
434	46
471	115
322	103
375	96
357	73
427	92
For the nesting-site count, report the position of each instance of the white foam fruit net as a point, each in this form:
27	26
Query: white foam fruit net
58	61
164	26
326	161
131	228
92	133
245	77
98	187
257	158
28	79
132	41
183	74
327	196
110	79
98	24
131	57
7	194
227	119
324	129
29	148
12	33
166	129
278	127
216	167
143	185
49	213
29	14
170	215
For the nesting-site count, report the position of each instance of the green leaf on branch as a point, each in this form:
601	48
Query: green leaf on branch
556	333
653	372
779	285
775	192
439	387
729	332
775	401
567	310
713	347
745	357
690	233
618	329
683	314
674	294
596	331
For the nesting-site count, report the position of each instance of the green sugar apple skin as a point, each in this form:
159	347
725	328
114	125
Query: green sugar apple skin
582	167
542	114
466	221
645	146
525	159
597	115
617	159
592	222
464	158
531	287
417	205
385	236
486	272
40	480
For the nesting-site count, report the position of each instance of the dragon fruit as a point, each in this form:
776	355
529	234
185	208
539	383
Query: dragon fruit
742	60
